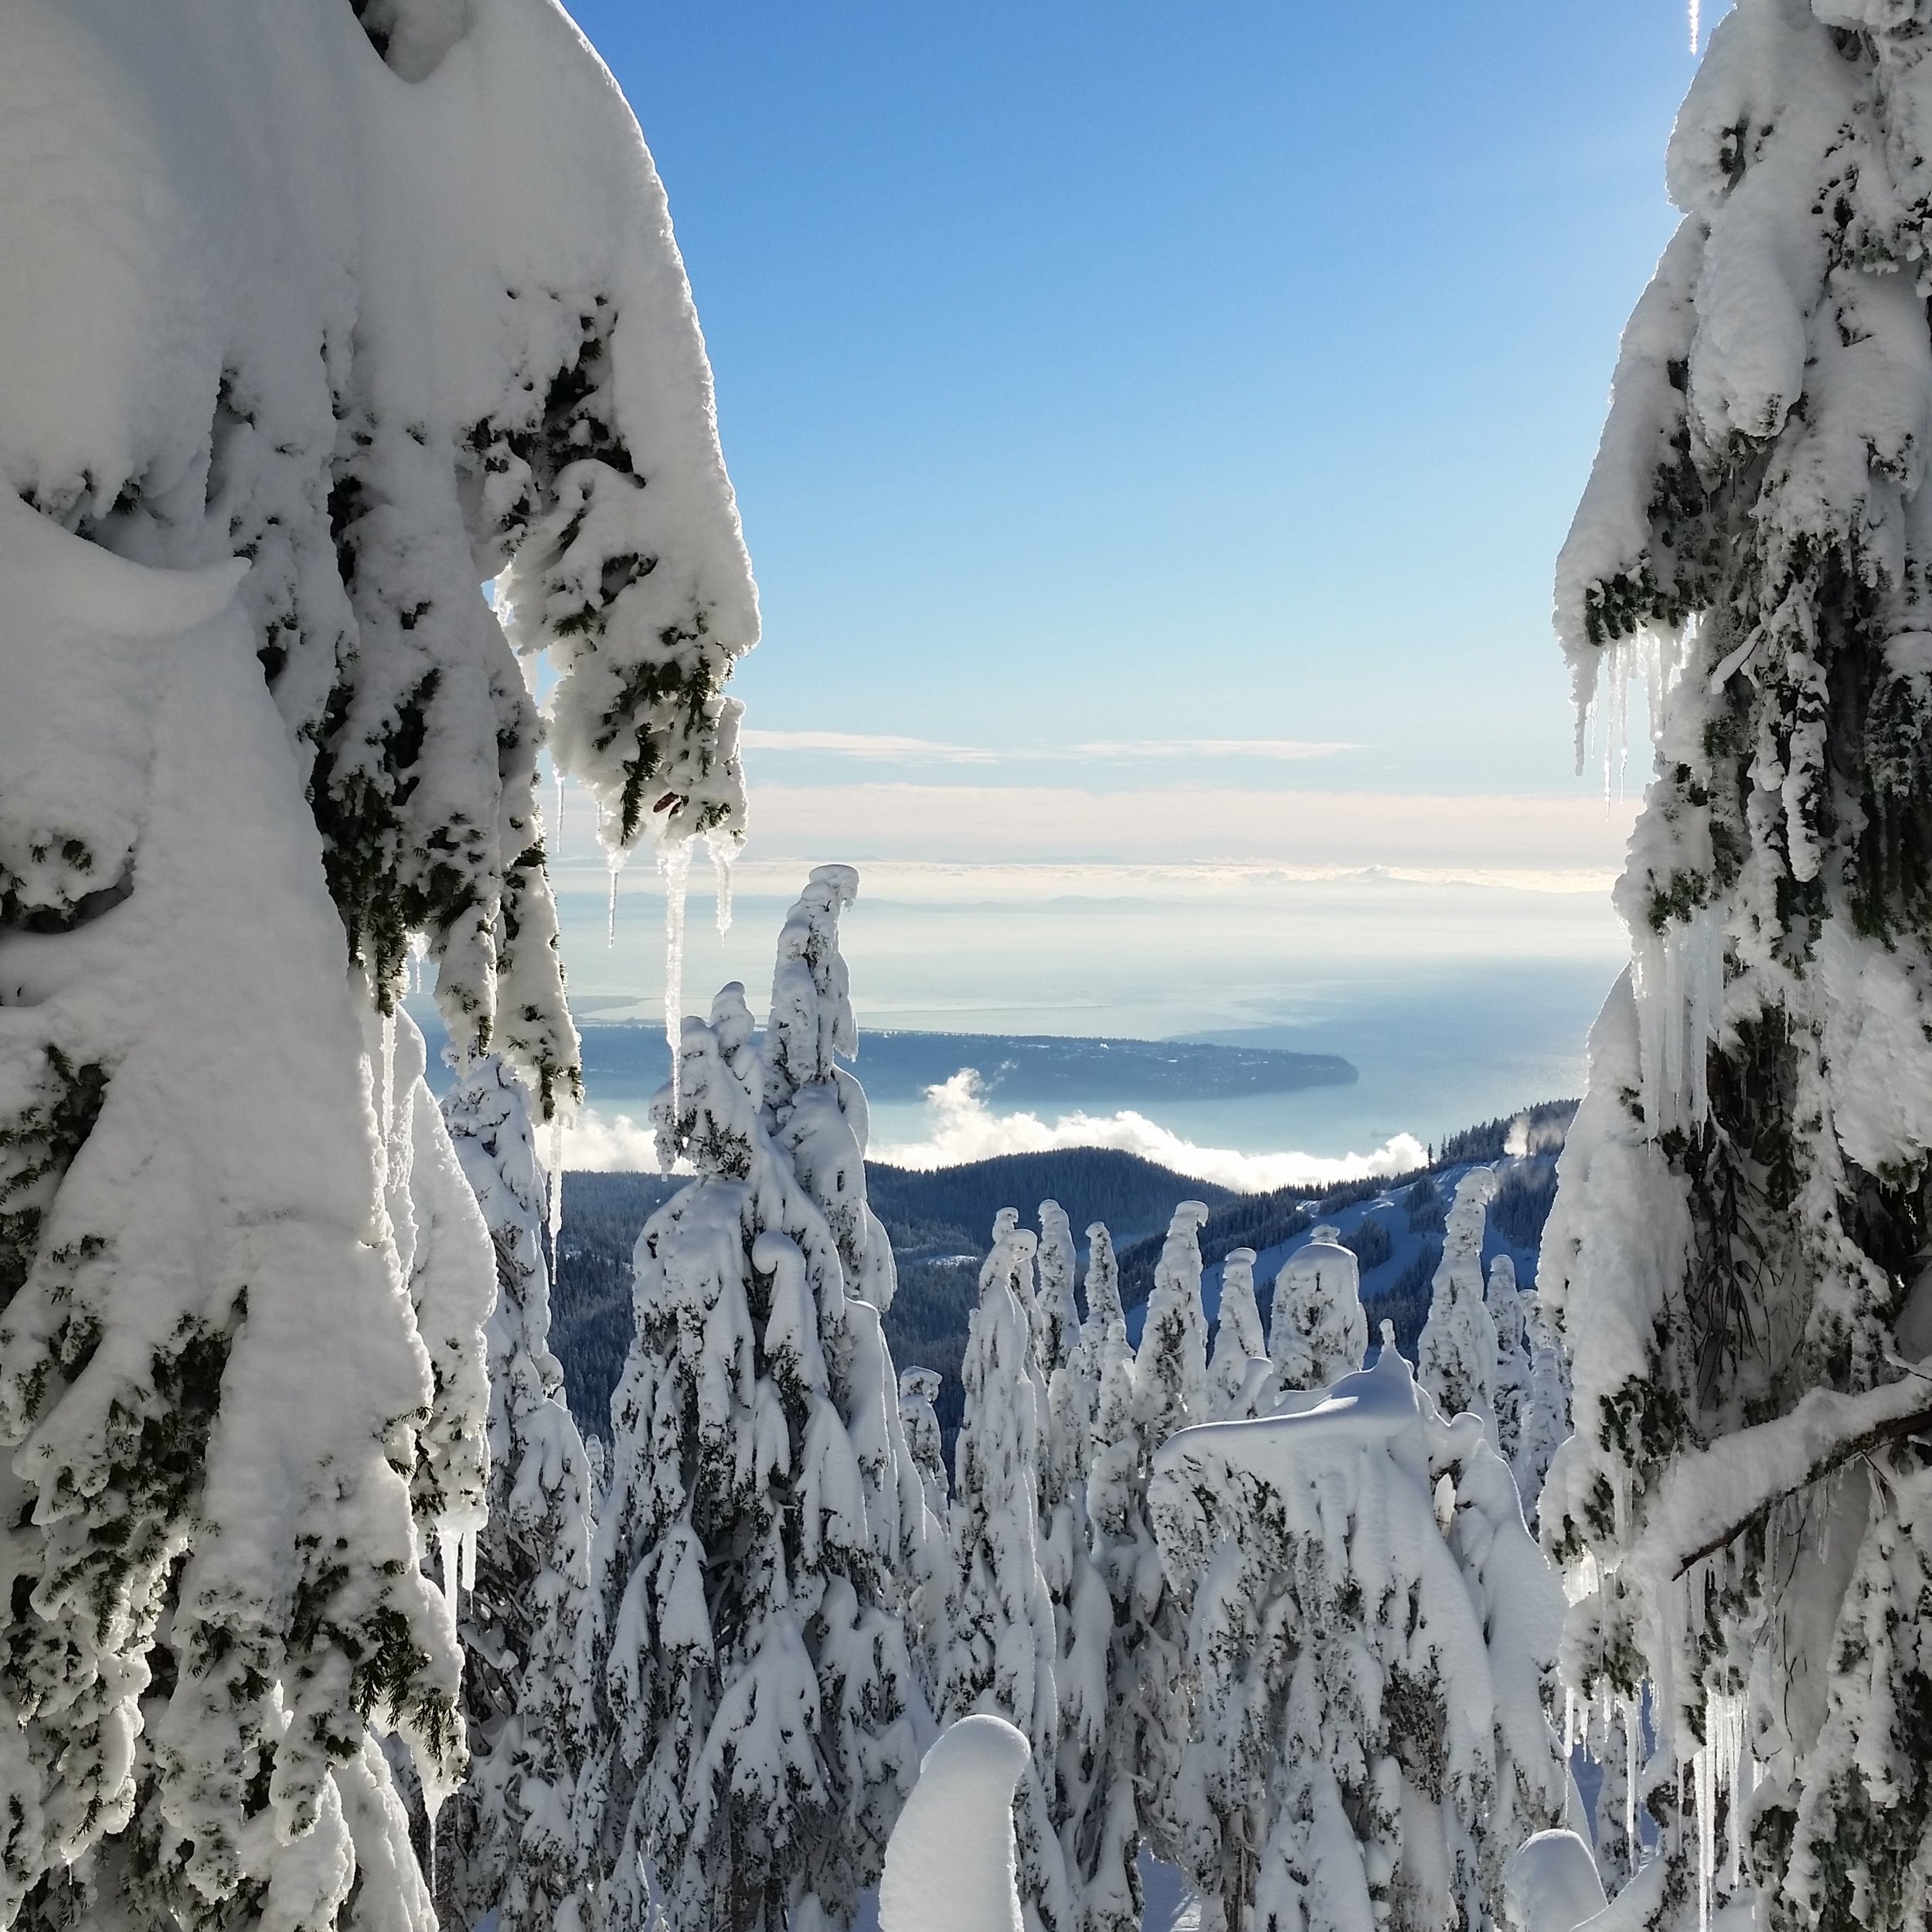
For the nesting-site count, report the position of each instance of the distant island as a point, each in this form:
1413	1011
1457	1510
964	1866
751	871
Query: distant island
1018	1069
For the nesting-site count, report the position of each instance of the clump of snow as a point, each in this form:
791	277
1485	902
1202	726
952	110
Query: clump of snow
1317	1330
1367	1732
1552	1884
949	1866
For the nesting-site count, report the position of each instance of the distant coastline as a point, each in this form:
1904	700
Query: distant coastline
630	1057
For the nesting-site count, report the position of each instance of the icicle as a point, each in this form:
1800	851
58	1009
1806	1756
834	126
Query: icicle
674	862
389	1089
467	1553
557	830
1703	1780
1695	25
448	1552
553	1202
721	853
613	864
1633	1733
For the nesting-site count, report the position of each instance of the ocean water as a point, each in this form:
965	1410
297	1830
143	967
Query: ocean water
1456	1002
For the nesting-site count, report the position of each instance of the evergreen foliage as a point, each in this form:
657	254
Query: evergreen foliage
1317	1331
1735	1254
1240	1349
509	1838
757	1699
306	353
1456	1358
1002	1627
1370	1635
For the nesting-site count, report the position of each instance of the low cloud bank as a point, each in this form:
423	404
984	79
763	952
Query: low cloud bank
618	1145
963	1127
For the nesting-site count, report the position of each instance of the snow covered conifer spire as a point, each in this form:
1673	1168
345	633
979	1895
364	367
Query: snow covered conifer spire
1546	1409
750	1661
1170	1368
1509	1379
918	1390
1239	1344
1105	1837
814	1110
509	1839
1000	1620
1060	1347
1317	1330
1456	1358
1731	1262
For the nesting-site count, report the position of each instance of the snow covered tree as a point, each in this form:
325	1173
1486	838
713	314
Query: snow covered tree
918	1390
1371	1634
313	346
1240	1349
1002	1630
509	1838
1735	1252
1083	1609
1170	1393
1509	1378
1170	1366
1060	1348
1456	1358
1317	1331
1546	1409
815	1110
750	1660
1105	1835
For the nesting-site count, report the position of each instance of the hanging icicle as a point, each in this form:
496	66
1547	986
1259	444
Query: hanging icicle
674	862
723	851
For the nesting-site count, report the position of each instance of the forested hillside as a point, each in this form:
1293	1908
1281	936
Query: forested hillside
940	1223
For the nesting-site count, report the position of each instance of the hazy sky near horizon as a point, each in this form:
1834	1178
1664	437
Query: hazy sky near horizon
1154	424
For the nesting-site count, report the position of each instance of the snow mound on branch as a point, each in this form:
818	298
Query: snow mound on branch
950	1865
1552	1885
963	1127
1372	1631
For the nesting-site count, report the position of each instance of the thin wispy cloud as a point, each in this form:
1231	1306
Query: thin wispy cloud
888	747
1279	748
867	744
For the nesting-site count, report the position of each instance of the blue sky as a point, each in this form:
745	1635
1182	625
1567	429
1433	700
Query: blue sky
1166	416
1101	372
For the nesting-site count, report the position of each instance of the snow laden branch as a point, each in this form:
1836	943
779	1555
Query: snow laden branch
384	342
1739	1481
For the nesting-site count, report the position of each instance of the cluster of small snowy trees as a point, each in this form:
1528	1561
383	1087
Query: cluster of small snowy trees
1181	1575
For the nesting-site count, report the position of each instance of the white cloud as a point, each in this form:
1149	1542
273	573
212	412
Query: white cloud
961	1126
885	745
1486	835
864	744
619	1144
1279	748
